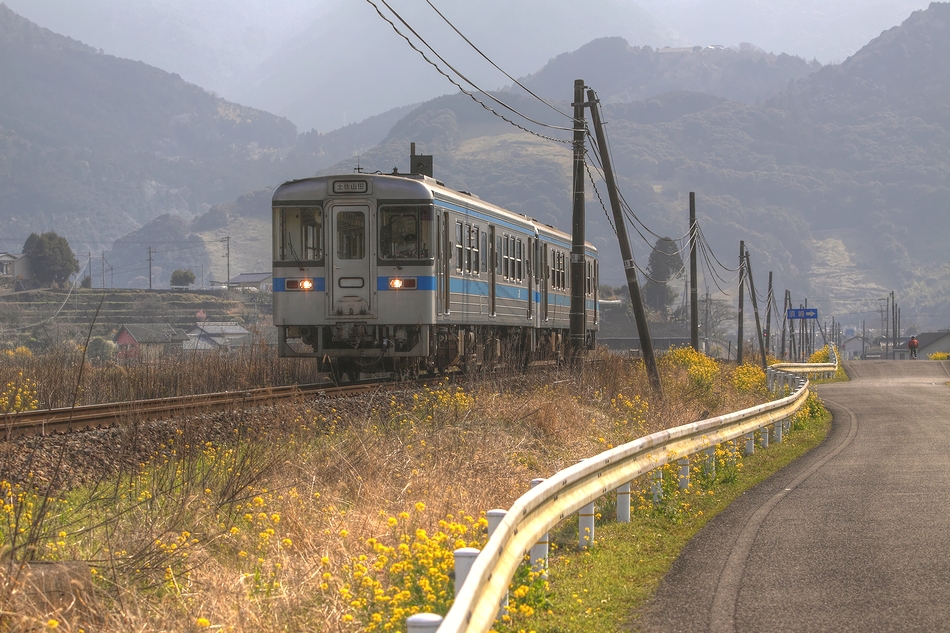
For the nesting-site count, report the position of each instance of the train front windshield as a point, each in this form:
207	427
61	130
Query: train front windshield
405	232
298	234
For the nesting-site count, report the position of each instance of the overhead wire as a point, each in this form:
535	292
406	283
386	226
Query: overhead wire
459	86
497	67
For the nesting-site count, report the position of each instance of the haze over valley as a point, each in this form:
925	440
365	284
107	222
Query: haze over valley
835	175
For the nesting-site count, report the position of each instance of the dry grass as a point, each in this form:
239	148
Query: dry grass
264	531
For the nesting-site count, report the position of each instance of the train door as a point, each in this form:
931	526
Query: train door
351	276
545	282
528	256
493	269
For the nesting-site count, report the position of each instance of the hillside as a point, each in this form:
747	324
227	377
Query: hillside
93	146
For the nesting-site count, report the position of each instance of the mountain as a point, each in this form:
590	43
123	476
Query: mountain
212	43
838	184
623	73
827	30
93	146
350	64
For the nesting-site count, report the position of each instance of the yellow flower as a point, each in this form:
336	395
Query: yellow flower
202	623
52	624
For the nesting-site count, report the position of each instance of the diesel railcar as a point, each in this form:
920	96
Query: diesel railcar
398	273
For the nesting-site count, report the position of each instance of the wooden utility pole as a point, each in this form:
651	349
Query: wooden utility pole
741	305
755	309
693	282
578	261
629	268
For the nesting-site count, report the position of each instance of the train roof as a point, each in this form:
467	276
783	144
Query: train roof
407	186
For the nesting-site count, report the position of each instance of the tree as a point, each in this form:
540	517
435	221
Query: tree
182	278
665	264
51	258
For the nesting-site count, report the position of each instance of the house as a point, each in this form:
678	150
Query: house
15	267
928	343
262	282
147	342
854	348
216	335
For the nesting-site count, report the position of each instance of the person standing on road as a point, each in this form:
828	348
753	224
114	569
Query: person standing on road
912	346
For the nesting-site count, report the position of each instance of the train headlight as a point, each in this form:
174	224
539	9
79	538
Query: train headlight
299	284
399	283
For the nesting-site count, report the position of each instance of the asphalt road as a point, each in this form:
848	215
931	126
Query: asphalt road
854	536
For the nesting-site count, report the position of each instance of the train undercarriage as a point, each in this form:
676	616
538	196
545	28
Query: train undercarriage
351	351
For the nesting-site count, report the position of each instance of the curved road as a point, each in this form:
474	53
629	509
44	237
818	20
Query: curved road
854	536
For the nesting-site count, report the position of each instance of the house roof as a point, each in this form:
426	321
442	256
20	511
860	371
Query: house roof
153	333
11	257
926	338
251	278
217	328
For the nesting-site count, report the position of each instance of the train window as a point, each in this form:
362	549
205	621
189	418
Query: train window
484	252
351	234
498	255
473	242
459	260
506	258
298	233
405	232
311	221
519	260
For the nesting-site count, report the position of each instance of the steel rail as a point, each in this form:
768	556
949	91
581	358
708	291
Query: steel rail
63	419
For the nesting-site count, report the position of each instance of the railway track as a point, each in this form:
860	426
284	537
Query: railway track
94	416
62	420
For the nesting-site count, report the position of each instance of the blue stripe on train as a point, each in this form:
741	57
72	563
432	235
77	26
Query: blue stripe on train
422	283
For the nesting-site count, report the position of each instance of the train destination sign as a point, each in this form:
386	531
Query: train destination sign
802	313
350	186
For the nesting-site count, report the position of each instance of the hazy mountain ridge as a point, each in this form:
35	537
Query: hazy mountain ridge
94	146
746	74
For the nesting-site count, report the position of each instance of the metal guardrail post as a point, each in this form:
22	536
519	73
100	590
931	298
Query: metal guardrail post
777	431
656	485
494	520
711	461
464	558
750	444
684	473
423	623
539	551
623	503
764	437
585	526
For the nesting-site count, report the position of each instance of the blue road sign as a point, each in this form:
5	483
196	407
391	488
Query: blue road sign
802	313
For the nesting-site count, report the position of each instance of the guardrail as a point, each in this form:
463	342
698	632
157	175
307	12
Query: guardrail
482	583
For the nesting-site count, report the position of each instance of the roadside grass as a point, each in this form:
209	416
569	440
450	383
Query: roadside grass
342	515
601	589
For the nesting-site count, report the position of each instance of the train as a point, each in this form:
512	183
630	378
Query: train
399	274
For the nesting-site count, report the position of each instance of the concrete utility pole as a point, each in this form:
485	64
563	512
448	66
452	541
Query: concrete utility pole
770	300
741	305
629	268
755	309
693	282
578	321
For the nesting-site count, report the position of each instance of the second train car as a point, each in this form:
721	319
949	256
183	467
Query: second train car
398	273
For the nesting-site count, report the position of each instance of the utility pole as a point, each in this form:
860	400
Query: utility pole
629	268
149	267
693	282
768	315
227	282
786	304
741	292
755	309
578	260
706	325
